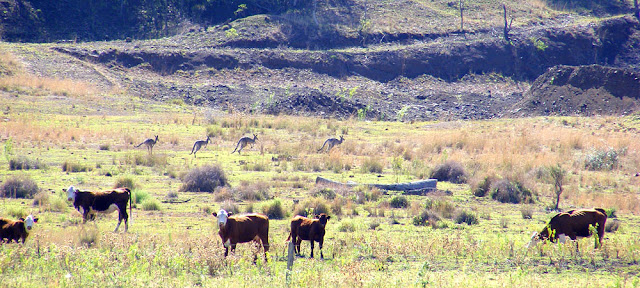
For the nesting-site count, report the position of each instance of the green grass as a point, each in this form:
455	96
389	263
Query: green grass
176	244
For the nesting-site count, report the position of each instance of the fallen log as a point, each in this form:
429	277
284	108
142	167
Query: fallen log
414	188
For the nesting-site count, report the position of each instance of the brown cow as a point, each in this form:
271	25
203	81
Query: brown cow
241	229
303	228
573	224
105	202
11	230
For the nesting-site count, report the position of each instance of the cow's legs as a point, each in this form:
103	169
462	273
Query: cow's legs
298	241
265	246
320	248
311	247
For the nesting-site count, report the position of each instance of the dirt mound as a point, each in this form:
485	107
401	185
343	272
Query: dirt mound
582	90
313	102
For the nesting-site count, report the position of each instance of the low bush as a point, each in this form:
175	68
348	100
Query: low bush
399	202
426	218
16	212
371	165
346	226
603	160
139	196
256	191
612	226
466	217
19	187
311	207
527	213
274	210
204	179
24	163
72	167
443	208
450	171
483	187
325	192
151	204
88	236
506	191
125	181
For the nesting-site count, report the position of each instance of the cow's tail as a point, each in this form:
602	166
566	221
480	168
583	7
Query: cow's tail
130	202
288	238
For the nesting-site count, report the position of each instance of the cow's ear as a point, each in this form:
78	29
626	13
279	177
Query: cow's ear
214	214
229	213
35	219
316	216
328	217
21	219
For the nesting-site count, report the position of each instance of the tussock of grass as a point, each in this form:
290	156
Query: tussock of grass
24	163
274	210
20	186
74	167
204	179
151	204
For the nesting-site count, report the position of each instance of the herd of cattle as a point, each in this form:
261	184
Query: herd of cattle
242	228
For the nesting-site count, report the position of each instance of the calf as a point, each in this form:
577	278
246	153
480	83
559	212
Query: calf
11	230
89	203
573	224
241	229
303	228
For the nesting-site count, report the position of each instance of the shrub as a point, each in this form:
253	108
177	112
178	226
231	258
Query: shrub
104	147
125	181
230	207
24	163
506	191
204	179
612	226
16	212
399	202
41	199
427	217
326	193
466	217
371	165
527	213
19	187
257	191
313	206
450	171
444	208
274	210
600	160
482	188
364	194
151	204
346	226
72	167
139	196
88	236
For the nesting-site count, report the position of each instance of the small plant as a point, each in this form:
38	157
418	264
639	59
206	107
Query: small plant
612	226
139	196
311	207
443	208
88	236
274	210
104	147
527	213
539	44
125	181
371	165
19	187
346	226
204	179
72	167
24	163
507	191
557	175
603	160
466	217
326	193
482	188
16	212
426	218
399	202
151	204
450	171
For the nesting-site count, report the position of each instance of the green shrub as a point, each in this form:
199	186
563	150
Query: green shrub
274	210
24	163
73	167
311	207
139	196
257	191
19	187
426	217
151	204
443	208
88	236
527	213
346	226
371	165
466	217
104	147
125	181
399	202
603	160
507	191
230	207
204	179
612	226
450	171
326	193
483	187
16	212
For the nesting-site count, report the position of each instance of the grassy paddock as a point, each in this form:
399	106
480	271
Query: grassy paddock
369	243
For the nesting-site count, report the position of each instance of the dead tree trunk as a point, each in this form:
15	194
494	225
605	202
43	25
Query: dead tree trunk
507	24
462	16
635	4
413	188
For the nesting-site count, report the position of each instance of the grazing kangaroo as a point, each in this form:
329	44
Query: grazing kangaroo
244	141
198	145
330	143
150	143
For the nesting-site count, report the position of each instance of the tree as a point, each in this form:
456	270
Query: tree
557	175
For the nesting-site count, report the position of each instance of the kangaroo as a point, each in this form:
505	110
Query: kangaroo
244	141
330	143
149	143
198	145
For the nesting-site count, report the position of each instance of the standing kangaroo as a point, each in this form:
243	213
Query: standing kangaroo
149	143
330	143
198	145
244	141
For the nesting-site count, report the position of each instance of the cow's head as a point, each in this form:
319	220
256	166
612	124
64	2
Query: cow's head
71	193
323	218
222	216
28	222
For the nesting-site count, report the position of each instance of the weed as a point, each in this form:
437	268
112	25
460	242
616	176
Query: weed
526	212
24	163
347	226
371	165
399	202
507	191
466	217
325	192
73	167
204	179
274	210
603	160
612	226
311	207
140	196
482	188
16	212
450	171
19	187
125	181
151	204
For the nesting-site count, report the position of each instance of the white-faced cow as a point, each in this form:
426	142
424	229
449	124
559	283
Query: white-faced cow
303	228
242	228
573	224
11	230
89	203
